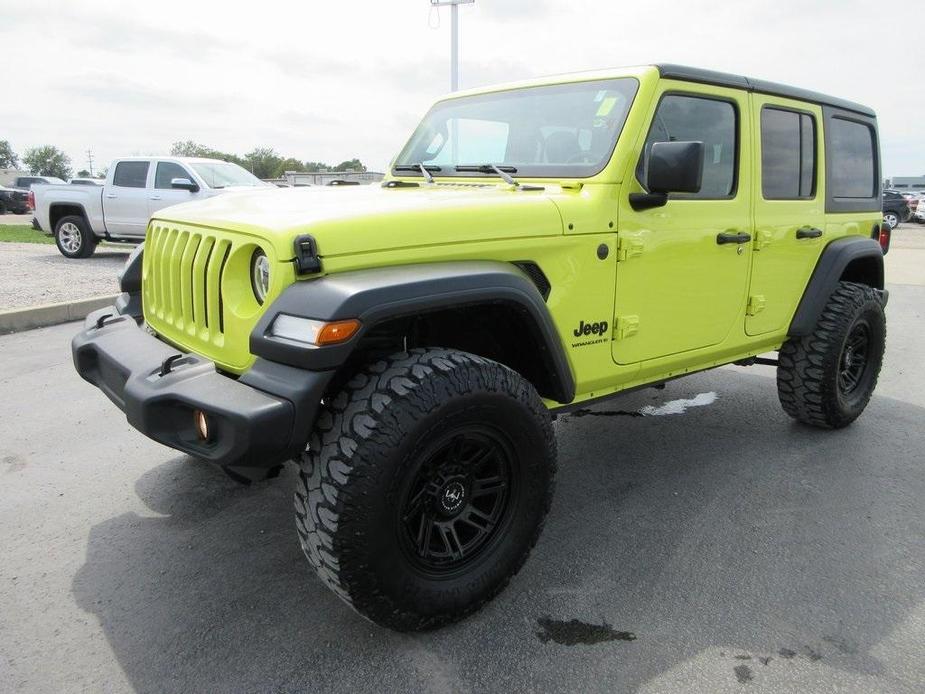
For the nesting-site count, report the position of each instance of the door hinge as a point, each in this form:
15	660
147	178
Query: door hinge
763	238
626	326
628	248
756	304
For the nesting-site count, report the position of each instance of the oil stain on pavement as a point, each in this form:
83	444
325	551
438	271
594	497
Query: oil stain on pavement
575	632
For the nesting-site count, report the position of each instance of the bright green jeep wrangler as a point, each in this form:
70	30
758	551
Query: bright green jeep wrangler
536	247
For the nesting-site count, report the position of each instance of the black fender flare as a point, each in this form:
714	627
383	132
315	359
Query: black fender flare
834	260
379	294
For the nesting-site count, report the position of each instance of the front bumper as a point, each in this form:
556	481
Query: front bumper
258	420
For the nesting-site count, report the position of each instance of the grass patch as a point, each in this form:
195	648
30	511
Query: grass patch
22	233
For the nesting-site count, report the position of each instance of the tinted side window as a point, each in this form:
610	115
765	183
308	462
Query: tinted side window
788	154
130	174
167	171
851	149
692	118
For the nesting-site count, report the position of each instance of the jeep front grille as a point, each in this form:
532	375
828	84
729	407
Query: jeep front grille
182	286
197	292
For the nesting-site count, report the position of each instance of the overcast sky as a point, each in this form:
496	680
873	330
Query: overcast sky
327	81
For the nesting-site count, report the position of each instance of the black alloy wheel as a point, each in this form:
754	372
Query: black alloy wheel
457	500
854	358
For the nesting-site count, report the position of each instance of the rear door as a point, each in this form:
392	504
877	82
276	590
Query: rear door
163	195
789	209
125	200
682	269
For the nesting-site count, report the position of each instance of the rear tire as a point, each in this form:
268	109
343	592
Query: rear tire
425	485
74	238
892	219
826	378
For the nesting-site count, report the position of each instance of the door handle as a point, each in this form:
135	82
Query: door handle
111	195
155	197
733	237
809	233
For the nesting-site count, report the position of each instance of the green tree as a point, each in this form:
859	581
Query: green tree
262	162
47	161
8	158
352	164
289	164
316	166
83	173
188	148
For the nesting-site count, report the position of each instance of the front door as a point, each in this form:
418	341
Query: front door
163	195
682	269
125	202
789	210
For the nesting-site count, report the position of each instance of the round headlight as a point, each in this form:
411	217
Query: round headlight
260	275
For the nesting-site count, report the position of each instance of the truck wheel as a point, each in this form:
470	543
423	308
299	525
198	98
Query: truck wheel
73	238
892	219
425	486
827	377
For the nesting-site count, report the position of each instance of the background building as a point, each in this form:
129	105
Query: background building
908	183
324	178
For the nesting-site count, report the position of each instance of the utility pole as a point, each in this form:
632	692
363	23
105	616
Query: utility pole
454	37
90	162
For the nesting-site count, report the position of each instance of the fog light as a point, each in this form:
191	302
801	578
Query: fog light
202	424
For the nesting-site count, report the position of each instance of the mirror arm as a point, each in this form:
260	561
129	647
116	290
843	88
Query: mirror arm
646	201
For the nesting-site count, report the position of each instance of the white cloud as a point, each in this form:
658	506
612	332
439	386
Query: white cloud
329	81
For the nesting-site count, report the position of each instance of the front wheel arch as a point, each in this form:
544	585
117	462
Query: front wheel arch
388	300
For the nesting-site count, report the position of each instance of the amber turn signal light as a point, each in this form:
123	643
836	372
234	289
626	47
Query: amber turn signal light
340	331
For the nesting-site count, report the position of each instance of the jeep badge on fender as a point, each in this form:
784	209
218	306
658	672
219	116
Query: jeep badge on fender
590	329
412	359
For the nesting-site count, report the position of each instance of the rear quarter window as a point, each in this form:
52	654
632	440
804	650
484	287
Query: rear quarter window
852	162
852	146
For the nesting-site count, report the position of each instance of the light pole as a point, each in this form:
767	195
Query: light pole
454	37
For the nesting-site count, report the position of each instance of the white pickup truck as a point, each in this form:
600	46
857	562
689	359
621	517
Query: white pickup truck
79	217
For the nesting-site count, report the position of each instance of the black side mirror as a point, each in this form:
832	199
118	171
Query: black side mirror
674	167
184	184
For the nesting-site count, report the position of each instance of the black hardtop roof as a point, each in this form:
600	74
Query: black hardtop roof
724	79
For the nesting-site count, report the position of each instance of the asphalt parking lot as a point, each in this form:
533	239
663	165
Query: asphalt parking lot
738	550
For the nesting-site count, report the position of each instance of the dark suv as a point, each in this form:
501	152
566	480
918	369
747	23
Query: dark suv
15	201
895	208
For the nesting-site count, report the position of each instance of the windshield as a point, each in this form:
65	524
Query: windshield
562	131
224	175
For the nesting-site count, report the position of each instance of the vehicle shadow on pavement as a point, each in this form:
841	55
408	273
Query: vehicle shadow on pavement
733	544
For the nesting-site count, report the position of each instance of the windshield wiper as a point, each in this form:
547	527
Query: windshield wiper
504	172
423	169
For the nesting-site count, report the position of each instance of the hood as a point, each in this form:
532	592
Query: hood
367	218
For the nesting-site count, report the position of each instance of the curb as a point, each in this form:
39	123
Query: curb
20	319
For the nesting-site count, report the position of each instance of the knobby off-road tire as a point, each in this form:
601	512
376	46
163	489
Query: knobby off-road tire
826	378
435	443
74	238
